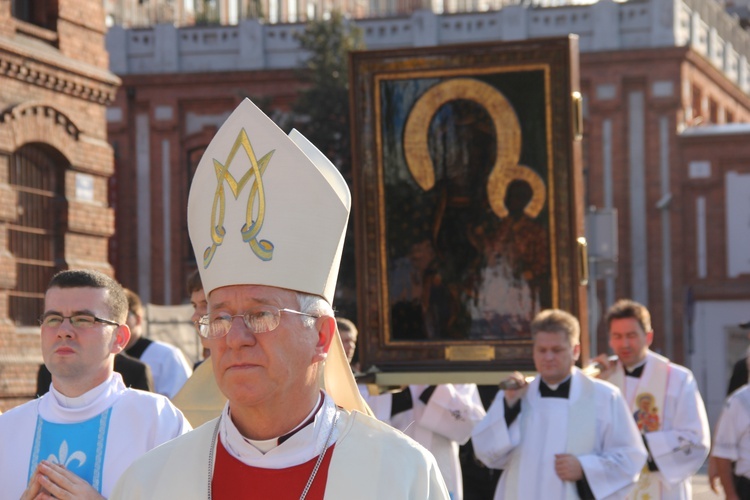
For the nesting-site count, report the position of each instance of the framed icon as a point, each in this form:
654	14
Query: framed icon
468	202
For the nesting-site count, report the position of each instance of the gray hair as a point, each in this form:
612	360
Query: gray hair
313	304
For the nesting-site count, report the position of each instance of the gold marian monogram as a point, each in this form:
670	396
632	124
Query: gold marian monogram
261	248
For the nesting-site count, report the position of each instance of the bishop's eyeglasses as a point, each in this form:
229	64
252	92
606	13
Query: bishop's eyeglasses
265	319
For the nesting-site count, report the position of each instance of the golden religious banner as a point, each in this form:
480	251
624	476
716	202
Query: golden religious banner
468	201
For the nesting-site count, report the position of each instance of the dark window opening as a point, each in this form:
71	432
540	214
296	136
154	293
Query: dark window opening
36	237
39	13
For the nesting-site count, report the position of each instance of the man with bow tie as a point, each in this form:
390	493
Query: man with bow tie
563	435
664	400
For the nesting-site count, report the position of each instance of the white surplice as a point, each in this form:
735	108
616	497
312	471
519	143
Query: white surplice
440	425
541	430
732	436
168	366
370	460
682	444
139	422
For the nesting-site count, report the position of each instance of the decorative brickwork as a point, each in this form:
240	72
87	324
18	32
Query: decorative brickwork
662	75
54	88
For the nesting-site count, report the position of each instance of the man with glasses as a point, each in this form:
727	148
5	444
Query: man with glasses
269	258
76	440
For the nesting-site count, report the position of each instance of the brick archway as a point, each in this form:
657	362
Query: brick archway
38	122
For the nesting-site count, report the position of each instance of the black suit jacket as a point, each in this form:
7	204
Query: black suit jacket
739	376
135	374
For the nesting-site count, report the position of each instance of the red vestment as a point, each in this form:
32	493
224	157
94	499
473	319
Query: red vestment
233	479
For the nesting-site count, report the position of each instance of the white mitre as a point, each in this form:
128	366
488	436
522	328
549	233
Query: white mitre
270	209
267	209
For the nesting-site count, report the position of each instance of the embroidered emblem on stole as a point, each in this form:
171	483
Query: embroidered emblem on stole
647	406
78	447
647	414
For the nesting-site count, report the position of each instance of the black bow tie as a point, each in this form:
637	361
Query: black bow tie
562	391
636	371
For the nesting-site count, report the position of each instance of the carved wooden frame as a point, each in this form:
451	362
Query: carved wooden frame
557	60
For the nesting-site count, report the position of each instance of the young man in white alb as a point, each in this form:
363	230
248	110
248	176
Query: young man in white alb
77	439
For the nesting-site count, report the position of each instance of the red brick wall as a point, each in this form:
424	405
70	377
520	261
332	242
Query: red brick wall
60	102
725	153
638	71
7	26
81	28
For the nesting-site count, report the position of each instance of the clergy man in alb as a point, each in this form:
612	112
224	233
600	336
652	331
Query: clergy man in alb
563	435
267	215
77	439
665	403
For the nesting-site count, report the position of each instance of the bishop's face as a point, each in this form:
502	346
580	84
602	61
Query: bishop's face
275	368
554	357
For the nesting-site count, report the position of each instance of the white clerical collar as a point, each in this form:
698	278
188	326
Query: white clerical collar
555	386
56	407
637	365
266	445
304	445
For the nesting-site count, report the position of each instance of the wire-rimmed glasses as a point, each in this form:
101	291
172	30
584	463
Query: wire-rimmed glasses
262	320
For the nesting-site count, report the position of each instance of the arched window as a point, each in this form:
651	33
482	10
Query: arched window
36	237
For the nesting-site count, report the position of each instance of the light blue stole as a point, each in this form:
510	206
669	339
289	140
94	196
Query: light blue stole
78	447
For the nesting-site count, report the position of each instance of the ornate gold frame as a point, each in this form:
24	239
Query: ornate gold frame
557	60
